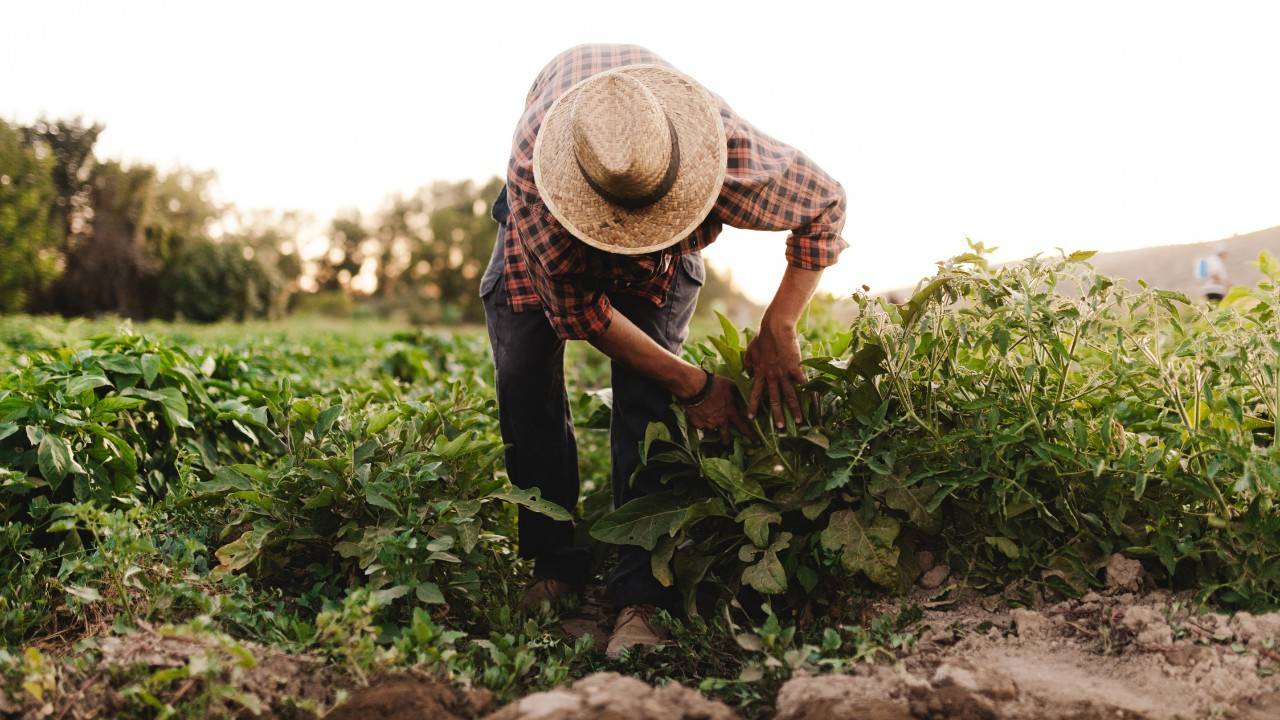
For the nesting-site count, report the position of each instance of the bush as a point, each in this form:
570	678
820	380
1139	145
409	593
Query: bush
1023	432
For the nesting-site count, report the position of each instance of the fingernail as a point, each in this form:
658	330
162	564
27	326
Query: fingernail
751	416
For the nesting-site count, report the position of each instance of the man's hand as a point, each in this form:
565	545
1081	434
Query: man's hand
773	357
719	411
625	342
773	361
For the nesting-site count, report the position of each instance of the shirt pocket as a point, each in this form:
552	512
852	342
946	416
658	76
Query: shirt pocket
691	265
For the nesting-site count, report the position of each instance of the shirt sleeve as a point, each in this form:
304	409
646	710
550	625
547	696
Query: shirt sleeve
575	308
772	186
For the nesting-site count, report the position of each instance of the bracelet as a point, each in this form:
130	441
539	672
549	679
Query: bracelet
699	397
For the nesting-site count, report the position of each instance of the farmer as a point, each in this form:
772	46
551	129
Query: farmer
622	169
1211	271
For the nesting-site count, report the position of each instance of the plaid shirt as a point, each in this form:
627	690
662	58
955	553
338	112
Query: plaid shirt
768	186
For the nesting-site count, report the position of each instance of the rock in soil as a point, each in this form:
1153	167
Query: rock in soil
411	697
1123	574
935	577
876	695
1030	624
610	696
1124	657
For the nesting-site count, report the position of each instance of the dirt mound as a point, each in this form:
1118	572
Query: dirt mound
1120	656
610	696
411	697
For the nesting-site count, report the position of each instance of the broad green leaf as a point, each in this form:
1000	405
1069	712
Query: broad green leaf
379	422
767	575
654	432
429	594
731	336
532	500
914	501
755	521
84	592
387	595
646	519
1004	545
116	403
728	478
151	364
54	458
85	383
325	420
242	551
120	364
660	561
865	548
374	496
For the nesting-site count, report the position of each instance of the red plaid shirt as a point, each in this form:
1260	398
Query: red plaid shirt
768	186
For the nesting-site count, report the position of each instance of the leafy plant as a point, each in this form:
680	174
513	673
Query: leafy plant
1026	421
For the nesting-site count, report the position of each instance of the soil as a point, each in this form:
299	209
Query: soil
1120	654
411	697
1124	654
610	696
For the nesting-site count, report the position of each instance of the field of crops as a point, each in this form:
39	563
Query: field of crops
260	520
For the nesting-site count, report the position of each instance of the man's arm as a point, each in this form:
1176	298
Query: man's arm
773	357
626	343
772	186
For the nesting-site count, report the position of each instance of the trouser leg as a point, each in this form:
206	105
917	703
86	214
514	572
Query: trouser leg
638	401
533	412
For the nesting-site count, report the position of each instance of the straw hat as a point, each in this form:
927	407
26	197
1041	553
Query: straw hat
631	160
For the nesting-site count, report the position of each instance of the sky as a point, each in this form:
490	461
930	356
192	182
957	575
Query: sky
1026	125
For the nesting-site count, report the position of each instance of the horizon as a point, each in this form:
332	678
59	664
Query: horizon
1089	126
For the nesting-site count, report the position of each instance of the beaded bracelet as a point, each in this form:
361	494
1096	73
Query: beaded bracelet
699	397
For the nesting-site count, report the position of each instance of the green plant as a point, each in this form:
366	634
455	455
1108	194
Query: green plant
1024	431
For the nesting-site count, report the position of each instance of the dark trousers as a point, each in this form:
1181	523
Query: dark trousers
533	410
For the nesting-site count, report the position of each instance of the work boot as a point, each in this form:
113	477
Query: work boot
634	629
554	592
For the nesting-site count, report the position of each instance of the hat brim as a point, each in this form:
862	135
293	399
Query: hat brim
595	221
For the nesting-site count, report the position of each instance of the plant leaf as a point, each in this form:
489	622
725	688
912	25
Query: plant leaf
532	500
646	519
865	548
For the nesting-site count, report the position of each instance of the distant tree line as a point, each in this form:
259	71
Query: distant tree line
83	236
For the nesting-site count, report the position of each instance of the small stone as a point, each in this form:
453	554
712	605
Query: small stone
548	705
935	577
1123	573
965	690
1030	624
1256	630
1148	626
924	560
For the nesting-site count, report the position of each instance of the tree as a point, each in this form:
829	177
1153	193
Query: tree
445	268
29	257
345	256
107	267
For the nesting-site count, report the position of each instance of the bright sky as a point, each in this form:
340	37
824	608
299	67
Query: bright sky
1028	125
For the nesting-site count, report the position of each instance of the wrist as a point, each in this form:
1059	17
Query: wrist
702	393
688	381
777	323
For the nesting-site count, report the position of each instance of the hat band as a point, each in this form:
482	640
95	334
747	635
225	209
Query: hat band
659	192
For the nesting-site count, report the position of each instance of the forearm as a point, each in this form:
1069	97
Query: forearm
794	292
626	343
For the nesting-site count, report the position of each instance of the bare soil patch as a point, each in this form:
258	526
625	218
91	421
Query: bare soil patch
1121	656
1125	654
411	697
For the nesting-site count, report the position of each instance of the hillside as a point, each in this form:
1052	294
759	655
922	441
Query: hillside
1170	266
